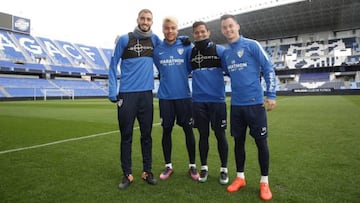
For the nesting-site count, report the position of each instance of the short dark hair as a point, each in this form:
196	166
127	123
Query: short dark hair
226	16
145	10
198	23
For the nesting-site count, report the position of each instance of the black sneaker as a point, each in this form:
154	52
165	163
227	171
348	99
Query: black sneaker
149	178
224	179
126	181
203	176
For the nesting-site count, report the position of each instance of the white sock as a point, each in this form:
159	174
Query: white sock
205	167
240	175
222	169
169	165
192	165
264	179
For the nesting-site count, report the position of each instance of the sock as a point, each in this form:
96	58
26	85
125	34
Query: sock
169	165
240	175
264	179
204	167
192	165
222	169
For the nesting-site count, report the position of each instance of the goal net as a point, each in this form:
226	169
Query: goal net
58	93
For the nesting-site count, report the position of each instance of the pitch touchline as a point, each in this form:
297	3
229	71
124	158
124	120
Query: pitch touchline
62	141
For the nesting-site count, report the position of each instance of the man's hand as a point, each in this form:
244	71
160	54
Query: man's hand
270	104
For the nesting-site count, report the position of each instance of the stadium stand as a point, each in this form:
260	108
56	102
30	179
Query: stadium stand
306	55
29	65
303	36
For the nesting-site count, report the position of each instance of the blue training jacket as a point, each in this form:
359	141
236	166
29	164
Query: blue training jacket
246	61
136	74
208	82
172	64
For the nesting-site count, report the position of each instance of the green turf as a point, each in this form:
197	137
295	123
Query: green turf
314	151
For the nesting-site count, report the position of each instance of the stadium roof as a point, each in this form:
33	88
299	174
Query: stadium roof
291	20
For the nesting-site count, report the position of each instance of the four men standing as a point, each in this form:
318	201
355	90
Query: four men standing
243	59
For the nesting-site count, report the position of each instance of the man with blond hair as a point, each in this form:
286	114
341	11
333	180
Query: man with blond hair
171	59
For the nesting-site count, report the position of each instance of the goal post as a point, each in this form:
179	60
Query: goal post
59	93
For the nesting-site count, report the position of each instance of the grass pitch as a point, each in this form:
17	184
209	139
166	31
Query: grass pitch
68	151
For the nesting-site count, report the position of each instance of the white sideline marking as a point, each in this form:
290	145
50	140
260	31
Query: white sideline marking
62	141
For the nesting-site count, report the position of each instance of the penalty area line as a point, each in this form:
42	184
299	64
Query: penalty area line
63	141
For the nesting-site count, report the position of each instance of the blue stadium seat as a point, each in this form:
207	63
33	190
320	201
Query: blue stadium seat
10	49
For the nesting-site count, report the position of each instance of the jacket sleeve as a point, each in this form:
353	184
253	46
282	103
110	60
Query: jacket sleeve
267	68
188	58
220	52
156	40
113	71
223	62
